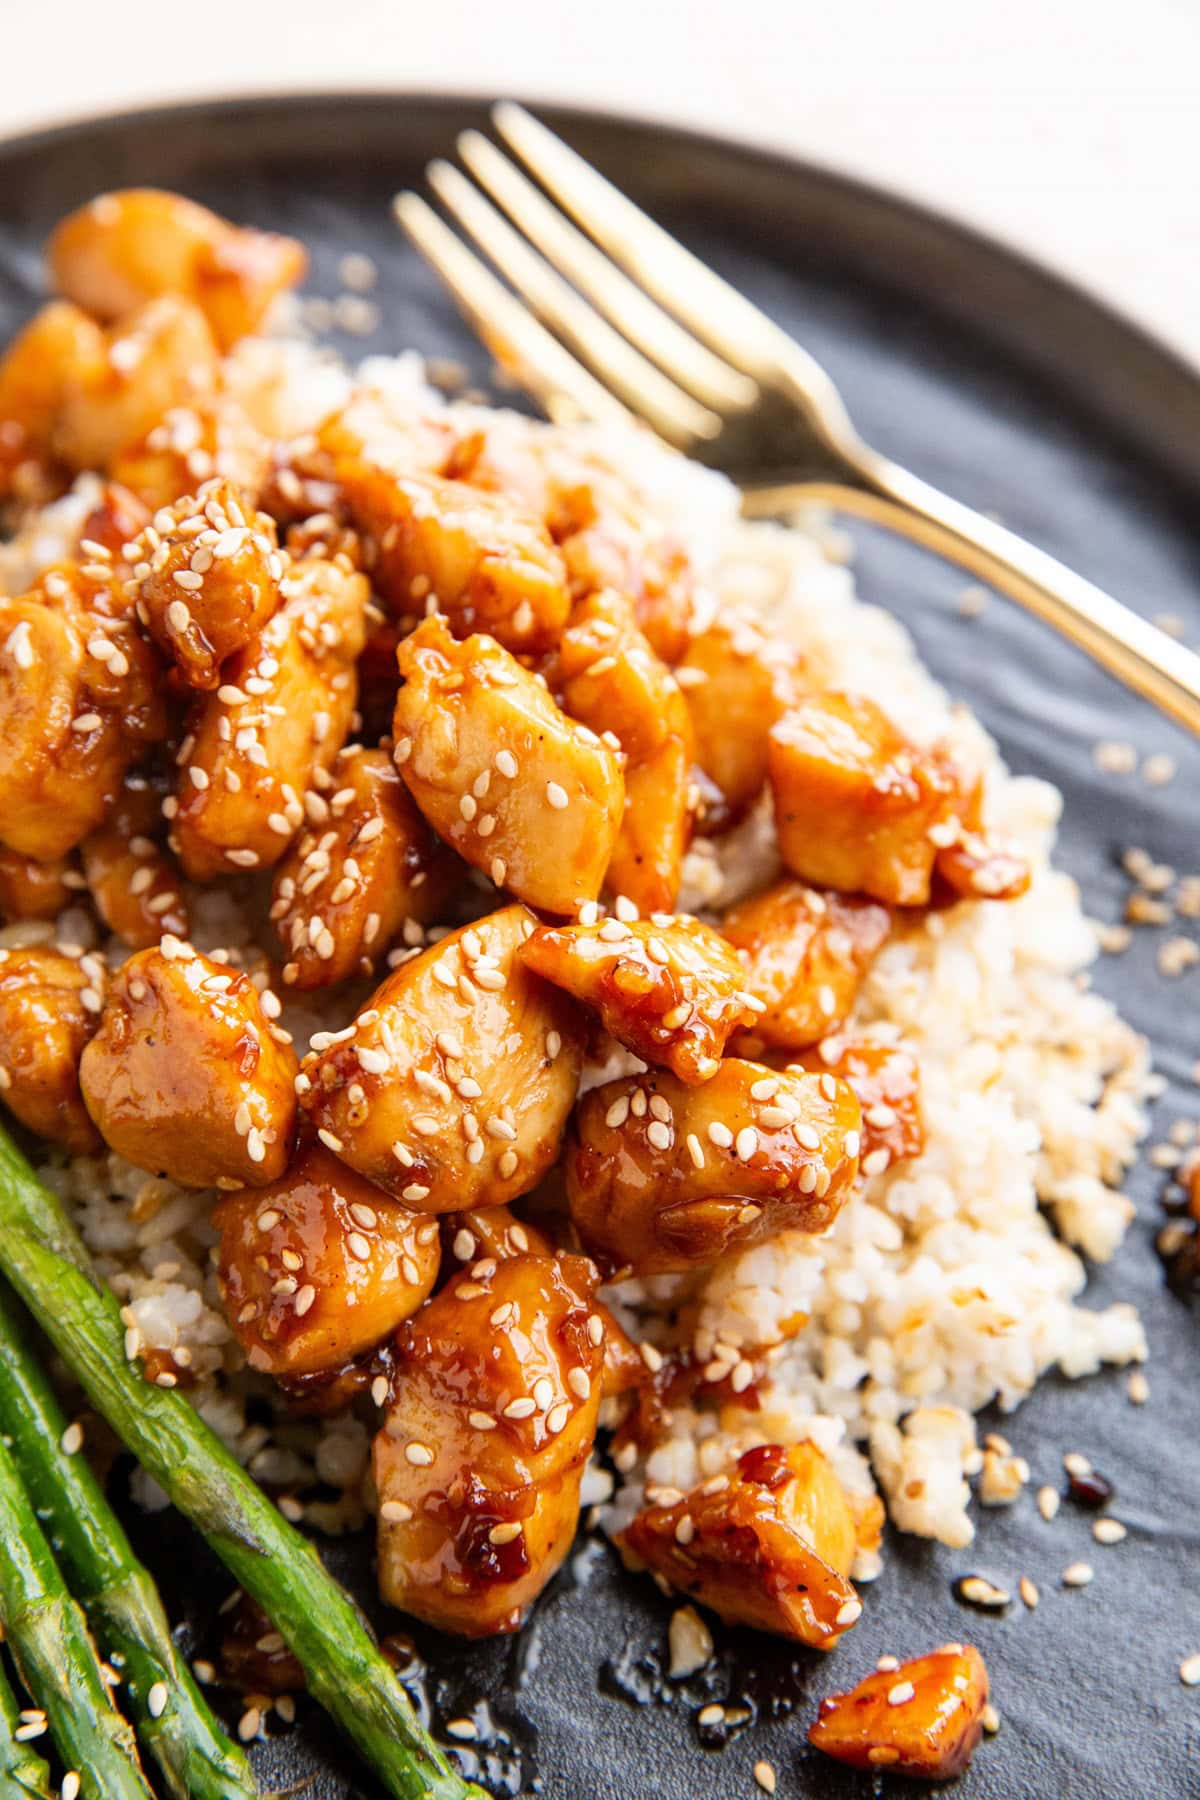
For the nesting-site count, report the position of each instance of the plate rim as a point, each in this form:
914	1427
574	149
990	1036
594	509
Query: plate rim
1173	380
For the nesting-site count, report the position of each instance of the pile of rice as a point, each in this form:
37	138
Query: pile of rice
946	1283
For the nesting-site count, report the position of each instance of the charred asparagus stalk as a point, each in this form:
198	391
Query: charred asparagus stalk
48	1635
46	1262
197	1760
22	1771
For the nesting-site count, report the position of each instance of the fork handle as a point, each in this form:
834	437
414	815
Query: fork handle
1128	646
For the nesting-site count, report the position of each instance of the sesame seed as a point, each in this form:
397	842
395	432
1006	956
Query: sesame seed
305	1299
1048	1502
1108	1531
695	1150
617	1113
556	794
764	1775
557	1417
849	1612
502	1314
379	1390
461	1728
685	1529
71	1441
395	1512
70	1786
522	1408
358	1246
419	1455
720	1135
1028	1591
250	1724
713	1714
595	1330
1077	1574
902	1692
659	1135
746	1143
156	1700
1189	1670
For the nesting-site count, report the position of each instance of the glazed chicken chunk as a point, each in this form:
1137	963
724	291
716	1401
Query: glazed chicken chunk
611	679
451	1090
923	1719
804	955
125	248
134	884
521	791
320	1266
887	1079
49	1008
668	988
495	1397
187	1077
280	715
79	703
60	351
858	807
769	1545
35	890
208	572
663	1177
737	683
368	864
160	357
489	565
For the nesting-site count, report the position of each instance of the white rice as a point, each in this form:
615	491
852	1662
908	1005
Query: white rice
943	1285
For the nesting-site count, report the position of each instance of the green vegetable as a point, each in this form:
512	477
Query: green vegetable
48	1636
46	1262
24	1775
197	1760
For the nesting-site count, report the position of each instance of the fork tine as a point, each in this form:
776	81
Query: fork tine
671	412
742	334
562	385
645	324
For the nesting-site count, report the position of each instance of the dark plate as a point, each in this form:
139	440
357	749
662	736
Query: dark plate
1022	396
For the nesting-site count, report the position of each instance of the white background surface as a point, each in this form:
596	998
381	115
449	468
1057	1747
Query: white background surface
1070	127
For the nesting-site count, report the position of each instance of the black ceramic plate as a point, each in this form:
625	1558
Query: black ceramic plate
1023	397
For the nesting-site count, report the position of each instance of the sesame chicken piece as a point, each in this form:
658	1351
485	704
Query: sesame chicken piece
452	1089
769	1545
922	1718
320	1266
60	351
887	1079
669	989
160	357
737	683
35	890
607	541
490	565
368	864
213	438
662	1177
521	791
80	700
857	806
281	713
488	1233
860	808
136	244
611	679
187	1077
49	1006
804	955
495	1398
207	572
135	886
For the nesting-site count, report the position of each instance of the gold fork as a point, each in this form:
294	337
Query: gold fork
671	342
